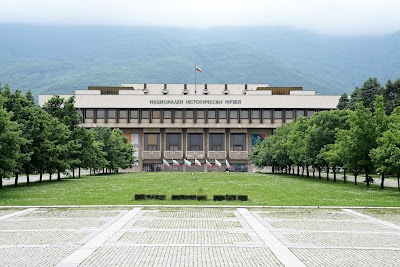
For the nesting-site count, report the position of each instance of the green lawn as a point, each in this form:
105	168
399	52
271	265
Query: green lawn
262	189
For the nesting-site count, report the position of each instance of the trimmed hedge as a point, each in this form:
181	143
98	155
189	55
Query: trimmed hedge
189	197
148	197
230	198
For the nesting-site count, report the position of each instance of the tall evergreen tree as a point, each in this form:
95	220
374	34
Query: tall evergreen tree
391	94
343	102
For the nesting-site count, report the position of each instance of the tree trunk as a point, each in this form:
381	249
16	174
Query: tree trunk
302	171
344	175
73	173
334	174
308	172
27	175
103	170
49	176
398	182
94	172
366	177
16	178
273	169
319	173
382	180
58	175
1	182
298	170
40	177
355	179
79	172
313	172
327	173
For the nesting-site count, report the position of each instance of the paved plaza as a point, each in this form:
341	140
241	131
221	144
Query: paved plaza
199	236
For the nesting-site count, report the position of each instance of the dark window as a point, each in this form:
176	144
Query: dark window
300	112
195	142
289	114
173	142
222	114
123	114
216	142
167	114
238	142
255	113
310	113
233	114
200	114
244	114
100	113
89	114
189	114
151	142
134	114
267	114
277	114
178	114
156	114
145	114
211	114
112	114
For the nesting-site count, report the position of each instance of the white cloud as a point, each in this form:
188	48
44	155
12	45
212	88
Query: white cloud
326	16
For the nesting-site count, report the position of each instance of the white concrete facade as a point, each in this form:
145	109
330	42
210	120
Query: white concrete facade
181	119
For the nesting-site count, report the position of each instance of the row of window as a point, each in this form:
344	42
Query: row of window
200	114
173	142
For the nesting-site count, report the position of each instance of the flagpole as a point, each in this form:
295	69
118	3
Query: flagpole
195	82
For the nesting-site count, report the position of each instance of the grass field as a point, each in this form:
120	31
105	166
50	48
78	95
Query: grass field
262	189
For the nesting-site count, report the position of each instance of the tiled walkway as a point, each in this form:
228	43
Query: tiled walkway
199	236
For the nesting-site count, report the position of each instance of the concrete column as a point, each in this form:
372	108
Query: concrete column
184	138
205	141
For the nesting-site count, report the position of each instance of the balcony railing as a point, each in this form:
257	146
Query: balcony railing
151	154
173	154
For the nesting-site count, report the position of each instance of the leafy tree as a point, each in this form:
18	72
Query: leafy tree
356	143
64	111
343	102
21	108
59	152
387	155
40	132
322	130
86	152
10	142
296	143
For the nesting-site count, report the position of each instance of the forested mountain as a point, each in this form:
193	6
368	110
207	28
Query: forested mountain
59	59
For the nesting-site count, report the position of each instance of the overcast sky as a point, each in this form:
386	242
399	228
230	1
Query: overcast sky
338	17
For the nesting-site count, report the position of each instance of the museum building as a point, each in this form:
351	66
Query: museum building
213	122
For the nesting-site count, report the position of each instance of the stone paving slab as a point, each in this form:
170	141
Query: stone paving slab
198	236
182	256
316	257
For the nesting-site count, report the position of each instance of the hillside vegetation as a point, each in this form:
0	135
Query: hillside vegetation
59	59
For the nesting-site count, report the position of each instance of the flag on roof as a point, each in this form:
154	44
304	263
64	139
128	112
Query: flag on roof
165	163
227	164
175	163
217	163
187	163
198	69
208	164
197	163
